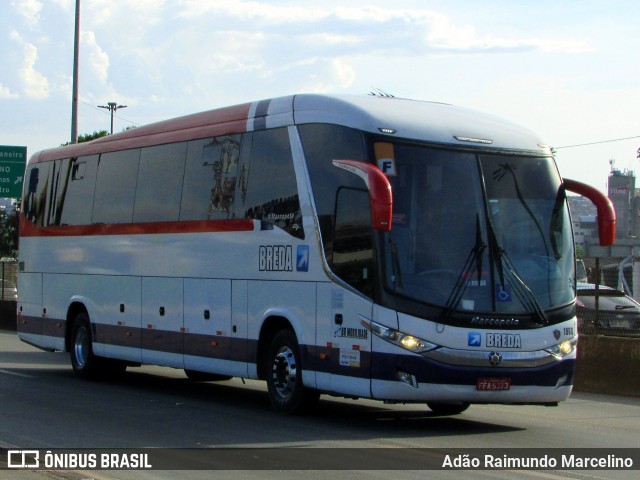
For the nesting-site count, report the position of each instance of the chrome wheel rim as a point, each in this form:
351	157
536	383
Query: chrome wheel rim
81	347
284	372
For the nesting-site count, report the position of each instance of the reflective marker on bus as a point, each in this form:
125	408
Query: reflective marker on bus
368	247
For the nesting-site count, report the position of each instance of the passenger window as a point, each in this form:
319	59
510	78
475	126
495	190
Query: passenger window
272	191
115	187
211	177
59	179
159	185
35	198
75	181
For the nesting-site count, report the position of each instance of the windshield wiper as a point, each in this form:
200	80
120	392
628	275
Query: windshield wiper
498	175
524	294
474	259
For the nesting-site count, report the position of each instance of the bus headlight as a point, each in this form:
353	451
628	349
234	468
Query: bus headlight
563	349
404	340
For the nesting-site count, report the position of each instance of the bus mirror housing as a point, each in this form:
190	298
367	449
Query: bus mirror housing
606	212
379	191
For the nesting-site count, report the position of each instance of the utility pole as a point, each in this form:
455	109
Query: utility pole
74	95
112	107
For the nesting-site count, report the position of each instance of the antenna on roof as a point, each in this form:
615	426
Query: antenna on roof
377	92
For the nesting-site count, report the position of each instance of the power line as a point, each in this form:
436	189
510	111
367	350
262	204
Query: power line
597	143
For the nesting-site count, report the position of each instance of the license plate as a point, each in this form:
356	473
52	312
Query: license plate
620	323
492	384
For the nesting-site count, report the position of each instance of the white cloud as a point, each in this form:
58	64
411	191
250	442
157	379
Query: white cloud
6	93
97	58
344	73
34	84
443	34
372	27
65	4
29	9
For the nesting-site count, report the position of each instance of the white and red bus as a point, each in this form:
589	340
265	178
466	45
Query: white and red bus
368	247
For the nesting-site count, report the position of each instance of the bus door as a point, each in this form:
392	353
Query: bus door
344	343
347	302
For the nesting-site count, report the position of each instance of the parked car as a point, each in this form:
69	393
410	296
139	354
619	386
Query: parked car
616	310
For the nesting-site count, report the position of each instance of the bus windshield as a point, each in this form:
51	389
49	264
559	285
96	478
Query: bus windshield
478	232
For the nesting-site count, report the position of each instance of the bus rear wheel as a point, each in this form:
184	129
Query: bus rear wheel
284	376
83	361
448	408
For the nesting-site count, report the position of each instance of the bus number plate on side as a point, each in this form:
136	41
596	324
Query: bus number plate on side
492	384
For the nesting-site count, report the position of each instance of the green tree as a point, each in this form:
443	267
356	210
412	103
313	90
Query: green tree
87	137
9	233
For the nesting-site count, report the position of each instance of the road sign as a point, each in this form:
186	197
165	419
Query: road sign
12	163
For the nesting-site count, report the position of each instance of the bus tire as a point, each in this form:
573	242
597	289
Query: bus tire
448	408
85	364
83	361
287	393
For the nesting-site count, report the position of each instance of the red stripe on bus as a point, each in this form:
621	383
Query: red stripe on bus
28	229
213	123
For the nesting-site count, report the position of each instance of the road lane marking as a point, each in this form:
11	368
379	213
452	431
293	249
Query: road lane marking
16	374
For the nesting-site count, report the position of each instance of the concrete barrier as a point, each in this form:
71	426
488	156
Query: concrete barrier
609	365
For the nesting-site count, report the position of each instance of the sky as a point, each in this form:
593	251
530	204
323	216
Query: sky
569	70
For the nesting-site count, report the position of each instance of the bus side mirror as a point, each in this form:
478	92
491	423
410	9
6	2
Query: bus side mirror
379	191
606	212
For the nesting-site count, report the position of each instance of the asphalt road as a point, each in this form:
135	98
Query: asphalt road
43	405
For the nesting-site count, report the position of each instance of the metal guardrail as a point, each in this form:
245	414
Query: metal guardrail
605	305
9	278
597	328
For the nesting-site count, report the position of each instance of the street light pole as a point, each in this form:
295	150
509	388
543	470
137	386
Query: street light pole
74	95
112	107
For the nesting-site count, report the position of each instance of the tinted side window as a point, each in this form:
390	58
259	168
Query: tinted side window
322	144
159	186
75	182
211	177
272	191
59	179
352	258
115	187
34	203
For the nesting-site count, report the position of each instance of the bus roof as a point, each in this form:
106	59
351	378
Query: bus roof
408	119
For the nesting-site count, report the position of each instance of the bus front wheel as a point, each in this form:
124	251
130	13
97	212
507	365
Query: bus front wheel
284	376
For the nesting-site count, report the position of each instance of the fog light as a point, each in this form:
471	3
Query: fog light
566	347
407	378
562	380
